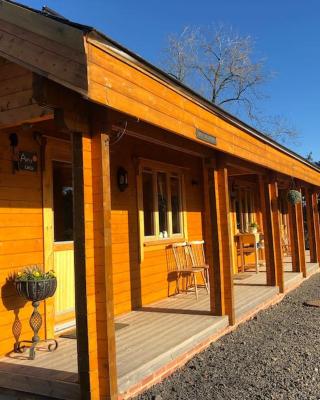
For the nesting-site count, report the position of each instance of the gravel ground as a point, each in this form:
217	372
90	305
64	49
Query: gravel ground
273	356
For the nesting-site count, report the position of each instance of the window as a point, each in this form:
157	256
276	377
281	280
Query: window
148	202
244	209
62	201
162	203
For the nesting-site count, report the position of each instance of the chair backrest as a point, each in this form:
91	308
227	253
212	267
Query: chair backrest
197	254
181	256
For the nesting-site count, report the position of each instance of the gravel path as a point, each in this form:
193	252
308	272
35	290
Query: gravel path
273	356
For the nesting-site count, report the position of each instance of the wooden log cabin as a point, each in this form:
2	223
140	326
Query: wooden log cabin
129	161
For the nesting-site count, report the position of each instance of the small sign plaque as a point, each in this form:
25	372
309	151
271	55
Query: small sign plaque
205	137
28	161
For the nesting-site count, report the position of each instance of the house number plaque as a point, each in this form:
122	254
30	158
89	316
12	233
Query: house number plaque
206	137
27	161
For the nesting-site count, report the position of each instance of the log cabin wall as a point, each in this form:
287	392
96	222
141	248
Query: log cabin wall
16	95
126	84
136	283
21	235
46	46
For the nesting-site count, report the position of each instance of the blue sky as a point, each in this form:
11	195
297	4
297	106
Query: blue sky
286	32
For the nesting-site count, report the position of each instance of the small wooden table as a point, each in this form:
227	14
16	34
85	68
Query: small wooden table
247	243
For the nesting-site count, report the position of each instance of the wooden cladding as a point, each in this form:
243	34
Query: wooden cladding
16	96
21	236
46	46
125	85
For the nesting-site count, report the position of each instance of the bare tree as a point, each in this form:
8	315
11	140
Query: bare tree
309	157
219	64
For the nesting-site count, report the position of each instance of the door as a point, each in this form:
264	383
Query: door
58	222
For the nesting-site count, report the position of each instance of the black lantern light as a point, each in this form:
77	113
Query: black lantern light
122	176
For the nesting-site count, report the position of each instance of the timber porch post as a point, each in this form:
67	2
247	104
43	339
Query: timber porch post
311	222
315	212
298	254
302	245
218	234
271	223
93	266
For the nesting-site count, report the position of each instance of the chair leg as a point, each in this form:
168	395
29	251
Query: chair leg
195	284
208	281
205	280
242	258
187	283
257	261
177	283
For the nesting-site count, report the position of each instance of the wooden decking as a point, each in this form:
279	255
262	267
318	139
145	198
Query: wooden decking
50	374
157	334
147	339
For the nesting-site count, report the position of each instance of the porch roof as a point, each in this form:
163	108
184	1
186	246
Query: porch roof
178	108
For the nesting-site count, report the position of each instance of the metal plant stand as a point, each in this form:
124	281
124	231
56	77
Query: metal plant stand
36	291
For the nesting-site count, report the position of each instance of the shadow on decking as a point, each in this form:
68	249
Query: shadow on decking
173	311
151	338
249	284
50	374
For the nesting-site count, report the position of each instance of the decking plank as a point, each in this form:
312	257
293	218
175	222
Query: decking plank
155	335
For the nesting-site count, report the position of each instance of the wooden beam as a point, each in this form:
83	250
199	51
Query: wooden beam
294	239
209	235
273	195
311	226
24	115
222	298
267	230
80	263
302	246
71	111
93	264
271	223
316	222
103	259
244	167
297	239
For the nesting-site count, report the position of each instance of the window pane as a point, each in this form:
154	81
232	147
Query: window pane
243	215
175	204
238	214
62	201
162	204
250	210
148	203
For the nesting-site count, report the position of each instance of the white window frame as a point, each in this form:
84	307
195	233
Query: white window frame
154	167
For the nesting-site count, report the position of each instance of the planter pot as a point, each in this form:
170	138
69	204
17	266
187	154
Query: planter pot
253	230
294	197
36	290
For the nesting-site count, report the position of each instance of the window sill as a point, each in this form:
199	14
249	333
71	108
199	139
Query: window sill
159	242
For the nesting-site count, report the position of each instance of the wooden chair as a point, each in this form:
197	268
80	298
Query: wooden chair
285	243
185	267
198	258
248	244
